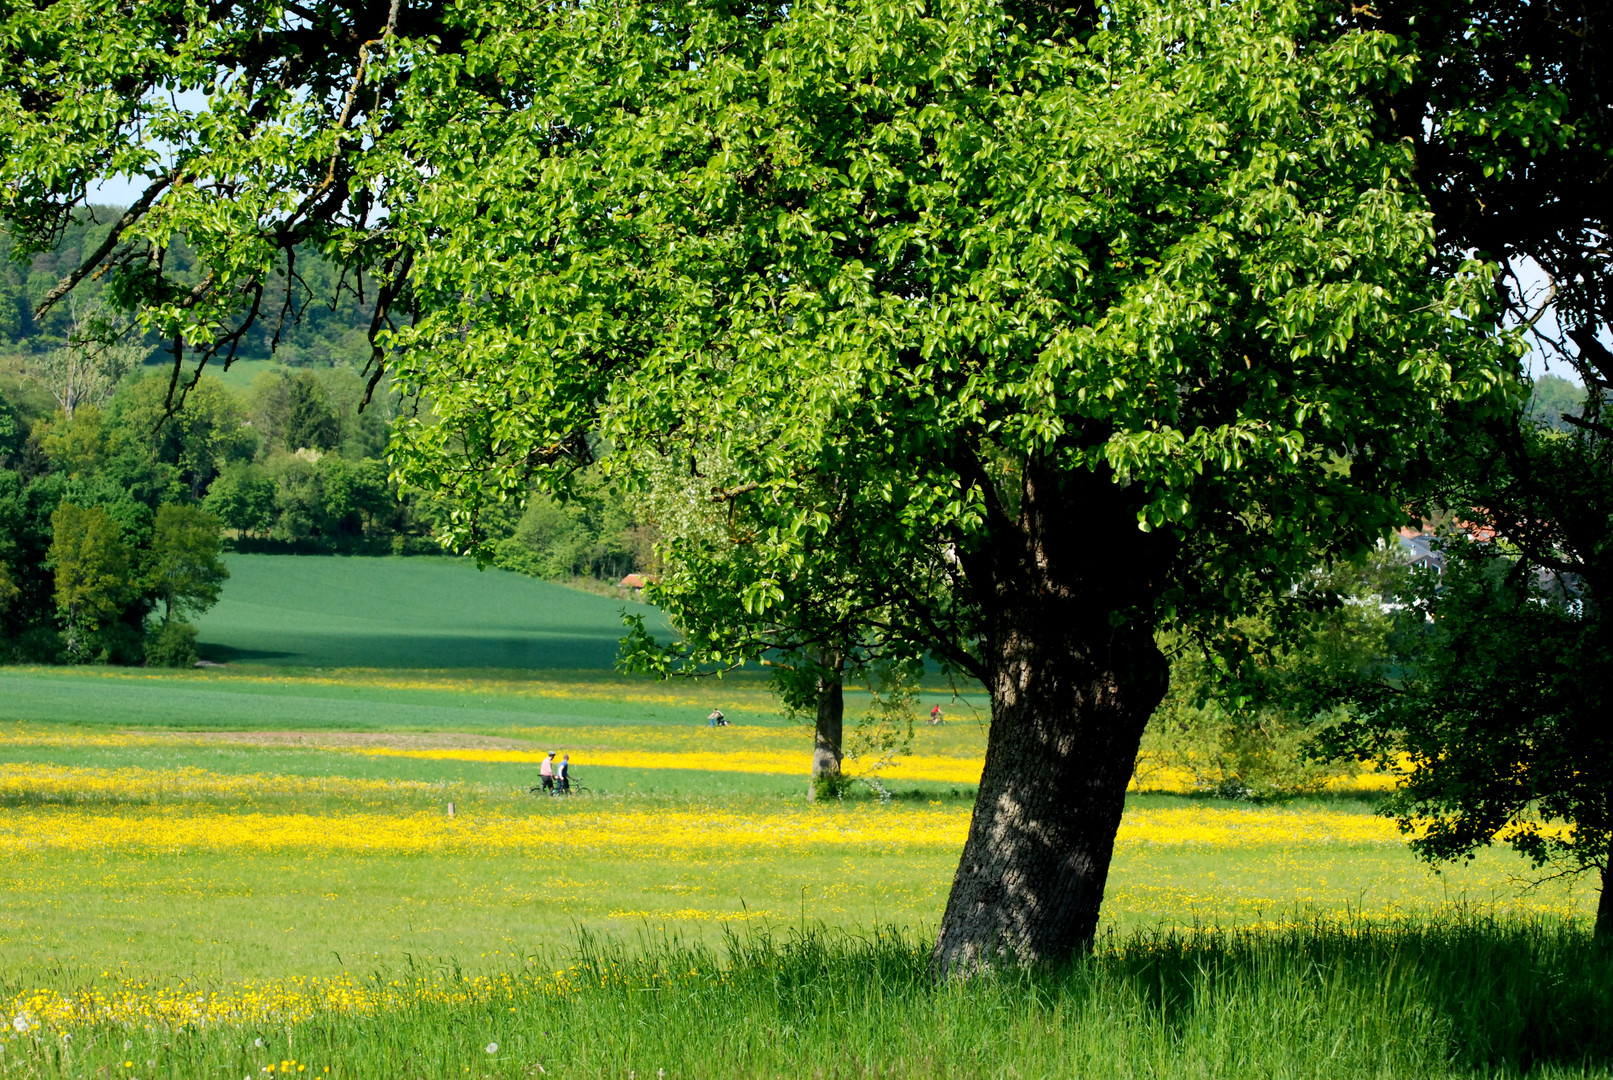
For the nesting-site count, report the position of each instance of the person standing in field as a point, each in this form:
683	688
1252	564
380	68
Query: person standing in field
546	773
563	775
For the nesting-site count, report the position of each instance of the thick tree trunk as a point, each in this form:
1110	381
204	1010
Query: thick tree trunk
1065	728
826	751
1074	674
1604	907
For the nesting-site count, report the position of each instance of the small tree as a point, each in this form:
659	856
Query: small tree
186	574
736	596
76	446
93	572
310	422
243	498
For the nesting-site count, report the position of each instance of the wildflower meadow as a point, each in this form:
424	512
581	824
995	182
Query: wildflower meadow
352	875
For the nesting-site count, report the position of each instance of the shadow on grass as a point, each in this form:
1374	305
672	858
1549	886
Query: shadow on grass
561	646
226	654
1361	799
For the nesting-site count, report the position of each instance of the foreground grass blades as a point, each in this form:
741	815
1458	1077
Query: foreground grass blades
1329	998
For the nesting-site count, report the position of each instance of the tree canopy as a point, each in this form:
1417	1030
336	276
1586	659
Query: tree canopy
1093	321
1120	331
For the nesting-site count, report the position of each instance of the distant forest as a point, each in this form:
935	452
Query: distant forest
316	333
278	458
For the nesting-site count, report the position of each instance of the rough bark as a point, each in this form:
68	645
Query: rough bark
1604	907
1074	674
826	740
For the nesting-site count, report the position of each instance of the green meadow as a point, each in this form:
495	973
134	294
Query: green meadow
415	612
202	841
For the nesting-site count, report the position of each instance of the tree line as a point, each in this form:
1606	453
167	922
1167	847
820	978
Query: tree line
1021	338
115	515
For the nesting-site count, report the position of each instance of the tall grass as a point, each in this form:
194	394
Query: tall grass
1461	996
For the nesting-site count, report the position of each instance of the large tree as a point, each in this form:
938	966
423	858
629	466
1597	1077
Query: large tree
1124	329
1119	320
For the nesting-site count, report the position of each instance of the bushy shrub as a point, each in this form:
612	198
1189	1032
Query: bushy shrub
172	645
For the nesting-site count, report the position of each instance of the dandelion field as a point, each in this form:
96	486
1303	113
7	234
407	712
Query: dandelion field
191	863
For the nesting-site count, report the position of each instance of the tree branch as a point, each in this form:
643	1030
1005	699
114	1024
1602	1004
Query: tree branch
130	216
1592	426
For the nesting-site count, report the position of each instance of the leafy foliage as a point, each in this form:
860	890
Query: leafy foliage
594	534
1244	716
1499	716
173	645
1554	398
1510	116
87	591
92	565
186	572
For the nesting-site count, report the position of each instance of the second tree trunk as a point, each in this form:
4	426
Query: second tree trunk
826	740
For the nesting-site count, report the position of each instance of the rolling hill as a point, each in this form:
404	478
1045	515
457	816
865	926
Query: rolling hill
352	611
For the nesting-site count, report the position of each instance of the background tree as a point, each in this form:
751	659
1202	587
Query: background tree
1510	118
736	595
77	446
1553	399
243	499
1243	715
1499	703
8	588
186	573
1126	332
310	423
198	441
92	565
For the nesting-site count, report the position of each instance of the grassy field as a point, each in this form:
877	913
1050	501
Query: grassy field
416	612
238	377
253	869
137	803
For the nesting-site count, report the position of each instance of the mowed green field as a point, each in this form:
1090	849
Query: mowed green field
244	869
414	612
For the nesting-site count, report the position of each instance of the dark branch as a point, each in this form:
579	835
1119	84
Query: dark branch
130	216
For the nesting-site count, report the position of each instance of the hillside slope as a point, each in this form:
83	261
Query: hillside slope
341	611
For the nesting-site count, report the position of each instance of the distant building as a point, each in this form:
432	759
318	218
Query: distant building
1418	548
633	581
